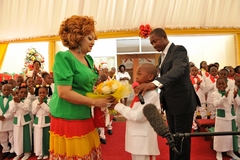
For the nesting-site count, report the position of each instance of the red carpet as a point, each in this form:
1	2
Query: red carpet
114	149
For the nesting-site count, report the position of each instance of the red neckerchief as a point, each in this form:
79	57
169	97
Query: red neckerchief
231	77
212	78
194	82
135	99
207	74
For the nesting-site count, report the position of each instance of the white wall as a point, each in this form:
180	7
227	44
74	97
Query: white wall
212	49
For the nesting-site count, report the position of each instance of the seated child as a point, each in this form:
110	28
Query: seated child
41	124
6	123
140	138
20	107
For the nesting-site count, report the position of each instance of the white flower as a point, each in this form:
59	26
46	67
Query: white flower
106	90
114	88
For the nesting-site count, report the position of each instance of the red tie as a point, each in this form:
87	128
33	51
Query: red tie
135	99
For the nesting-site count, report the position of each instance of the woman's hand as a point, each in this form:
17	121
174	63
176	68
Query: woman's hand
104	102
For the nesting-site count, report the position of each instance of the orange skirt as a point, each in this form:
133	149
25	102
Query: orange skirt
74	139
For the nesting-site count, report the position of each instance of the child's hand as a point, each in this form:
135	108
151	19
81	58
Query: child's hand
235	92
226	94
13	93
16	99
40	100
199	82
31	90
2	118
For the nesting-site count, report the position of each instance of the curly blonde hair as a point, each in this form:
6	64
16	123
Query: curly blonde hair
73	29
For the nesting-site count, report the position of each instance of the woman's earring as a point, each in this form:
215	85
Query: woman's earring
79	49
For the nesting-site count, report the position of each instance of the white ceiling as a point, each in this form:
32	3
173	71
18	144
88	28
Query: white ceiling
24	19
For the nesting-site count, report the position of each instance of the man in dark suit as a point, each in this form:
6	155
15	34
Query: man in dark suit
177	97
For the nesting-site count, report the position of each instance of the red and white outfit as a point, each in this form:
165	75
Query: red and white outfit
140	138
211	87
200	91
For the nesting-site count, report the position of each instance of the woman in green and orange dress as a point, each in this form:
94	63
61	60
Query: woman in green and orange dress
72	131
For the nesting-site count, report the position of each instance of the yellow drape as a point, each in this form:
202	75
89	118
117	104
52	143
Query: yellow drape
51	54
3	49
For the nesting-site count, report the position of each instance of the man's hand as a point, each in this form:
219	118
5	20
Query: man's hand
142	88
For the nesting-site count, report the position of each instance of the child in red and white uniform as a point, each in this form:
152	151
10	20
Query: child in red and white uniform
102	119
199	86
211	87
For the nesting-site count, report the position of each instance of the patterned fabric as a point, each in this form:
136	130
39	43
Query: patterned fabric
78	139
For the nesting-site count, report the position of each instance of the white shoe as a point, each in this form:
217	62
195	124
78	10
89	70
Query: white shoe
39	157
17	157
231	154
45	157
26	156
219	155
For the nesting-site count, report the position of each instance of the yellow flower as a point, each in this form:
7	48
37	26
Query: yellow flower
113	88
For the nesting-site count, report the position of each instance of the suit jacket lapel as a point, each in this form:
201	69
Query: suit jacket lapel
167	56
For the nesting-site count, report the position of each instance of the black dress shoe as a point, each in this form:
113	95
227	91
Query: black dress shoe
103	141
110	132
11	155
5	155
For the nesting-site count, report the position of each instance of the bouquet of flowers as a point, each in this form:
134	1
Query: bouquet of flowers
32	55
113	88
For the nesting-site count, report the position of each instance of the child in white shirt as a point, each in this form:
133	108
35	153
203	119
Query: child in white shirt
41	124
210	82
6	123
140	138
225	120
20	107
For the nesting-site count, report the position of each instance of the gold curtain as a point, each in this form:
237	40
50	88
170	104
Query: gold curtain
51	54
3	49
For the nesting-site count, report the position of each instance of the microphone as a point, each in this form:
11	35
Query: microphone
156	120
140	97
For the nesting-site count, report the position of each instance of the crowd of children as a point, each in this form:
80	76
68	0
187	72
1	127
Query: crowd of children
218	91
25	121
24	116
